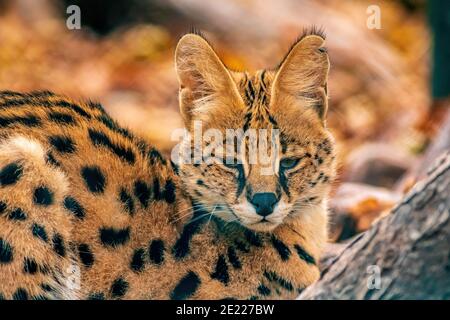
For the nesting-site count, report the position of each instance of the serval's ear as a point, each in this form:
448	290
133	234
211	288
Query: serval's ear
207	90
300	83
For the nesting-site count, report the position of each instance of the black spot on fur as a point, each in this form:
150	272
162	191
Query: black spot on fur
43	196
304	255
50	159
233	258
241	246
181	247
155	157
127	201
101	139
96	296
112	125
47	288
142	192
75	207
157	194
10	174
6	252
137	260
221	271
62	118
20	294
263	290
3	207
58	245
73	107
156	251
28	121
253	238
119	288
281	248
62	144
86	255
39	232
114	237
200	182
94	179
169	191
186	287
17	214
273	277
175	168
30	266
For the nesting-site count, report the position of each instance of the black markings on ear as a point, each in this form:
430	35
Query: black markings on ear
6	252
142	192
86	255
156	251
112	237
273	277
138	260
74	207
304	255
43	196
187	286
39	232
10	174
62	144
58	245
94	179
233	258
17	214
281	248
30	266
127	201
119	288
221	271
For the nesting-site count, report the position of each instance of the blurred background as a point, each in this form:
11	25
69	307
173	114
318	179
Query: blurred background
387	93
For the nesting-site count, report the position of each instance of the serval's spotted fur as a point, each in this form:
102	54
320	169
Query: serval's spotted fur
89	210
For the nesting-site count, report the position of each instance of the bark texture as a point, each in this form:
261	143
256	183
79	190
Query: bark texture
410	247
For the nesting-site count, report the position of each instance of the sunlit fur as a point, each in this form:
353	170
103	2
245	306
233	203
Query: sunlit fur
292	99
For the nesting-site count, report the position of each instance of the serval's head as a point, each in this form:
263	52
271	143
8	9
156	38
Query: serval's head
258	178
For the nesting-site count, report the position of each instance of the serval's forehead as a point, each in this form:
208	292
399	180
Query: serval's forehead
255	89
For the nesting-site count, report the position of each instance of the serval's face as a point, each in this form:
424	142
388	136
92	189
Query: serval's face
267	156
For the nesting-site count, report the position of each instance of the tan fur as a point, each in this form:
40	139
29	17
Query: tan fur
222	254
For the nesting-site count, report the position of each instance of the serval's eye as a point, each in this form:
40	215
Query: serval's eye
289	163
